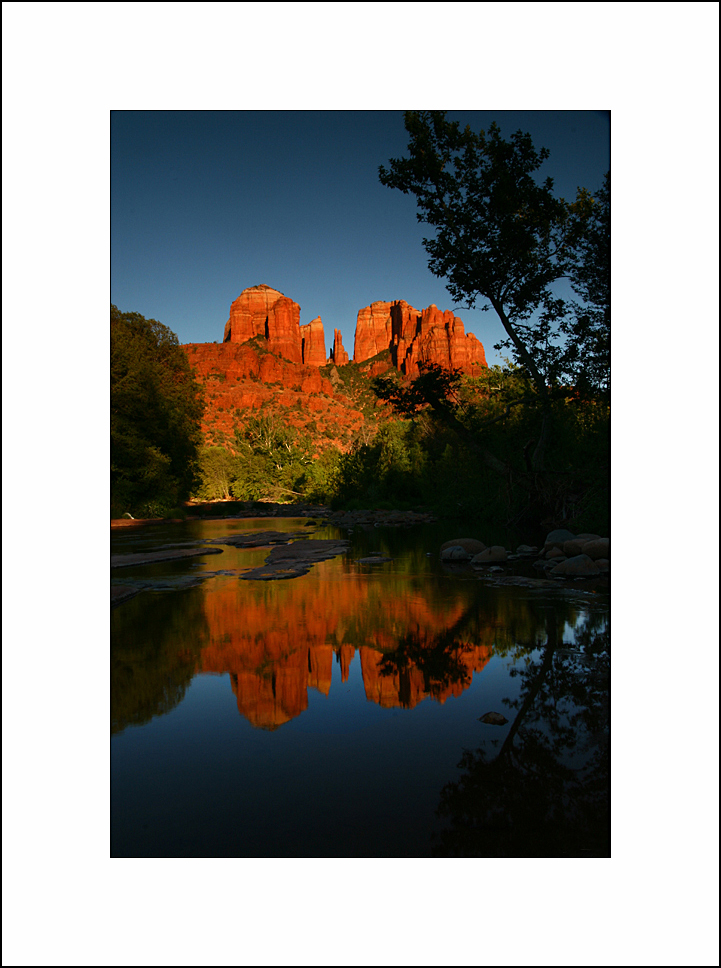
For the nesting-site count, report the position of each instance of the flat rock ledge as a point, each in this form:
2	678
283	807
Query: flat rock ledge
149	557
258	539
294	560
122	593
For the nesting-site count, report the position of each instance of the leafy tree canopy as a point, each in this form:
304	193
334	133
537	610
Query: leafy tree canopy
155	411
505	238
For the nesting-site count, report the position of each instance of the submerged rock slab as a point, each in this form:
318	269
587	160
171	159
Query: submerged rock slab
294	560
258	539
150	557
122	593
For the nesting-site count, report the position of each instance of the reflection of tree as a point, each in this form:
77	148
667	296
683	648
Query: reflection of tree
154	655
438	658
545	793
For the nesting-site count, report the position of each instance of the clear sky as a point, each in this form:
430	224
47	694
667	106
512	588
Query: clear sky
205	204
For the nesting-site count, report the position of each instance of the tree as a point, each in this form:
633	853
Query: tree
501	237
588	327
155	411
218	469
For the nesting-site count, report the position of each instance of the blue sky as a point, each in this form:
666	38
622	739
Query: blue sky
206	204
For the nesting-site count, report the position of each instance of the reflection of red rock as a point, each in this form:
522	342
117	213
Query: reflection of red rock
313	339
338	354
408	688
278	640
412	337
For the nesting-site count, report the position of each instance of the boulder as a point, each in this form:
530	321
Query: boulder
600	548
555	552
455	553
573	547
579	566
493	719
556	539
468	544
494	553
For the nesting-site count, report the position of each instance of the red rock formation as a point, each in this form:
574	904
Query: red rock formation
249	312
338	354
283	330
372	331
262	311
442	339
238	378
313	342
412	337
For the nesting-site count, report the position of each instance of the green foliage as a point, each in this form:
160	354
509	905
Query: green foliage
218	469
588	324
505	239
459	431
155	412
268	461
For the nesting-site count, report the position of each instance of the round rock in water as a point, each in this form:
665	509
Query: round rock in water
599	548
556	539
493	719
578	567
468	544
455	553
494	553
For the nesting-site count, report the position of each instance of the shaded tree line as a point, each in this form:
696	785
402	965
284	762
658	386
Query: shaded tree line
155	411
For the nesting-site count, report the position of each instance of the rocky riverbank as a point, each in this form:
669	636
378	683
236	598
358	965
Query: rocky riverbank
563	555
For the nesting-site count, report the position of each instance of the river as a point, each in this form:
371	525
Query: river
340	714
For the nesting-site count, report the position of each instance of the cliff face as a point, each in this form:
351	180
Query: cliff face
412	337
372	331
280	370
249	312
239	380
313	342
263	311
338	354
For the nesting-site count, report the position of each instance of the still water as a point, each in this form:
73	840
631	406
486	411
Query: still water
339	713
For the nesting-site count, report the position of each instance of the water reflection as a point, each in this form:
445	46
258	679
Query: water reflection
324	701
544	793
277	640
153	659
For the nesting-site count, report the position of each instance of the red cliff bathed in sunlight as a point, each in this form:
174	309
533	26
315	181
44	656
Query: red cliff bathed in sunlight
412	338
